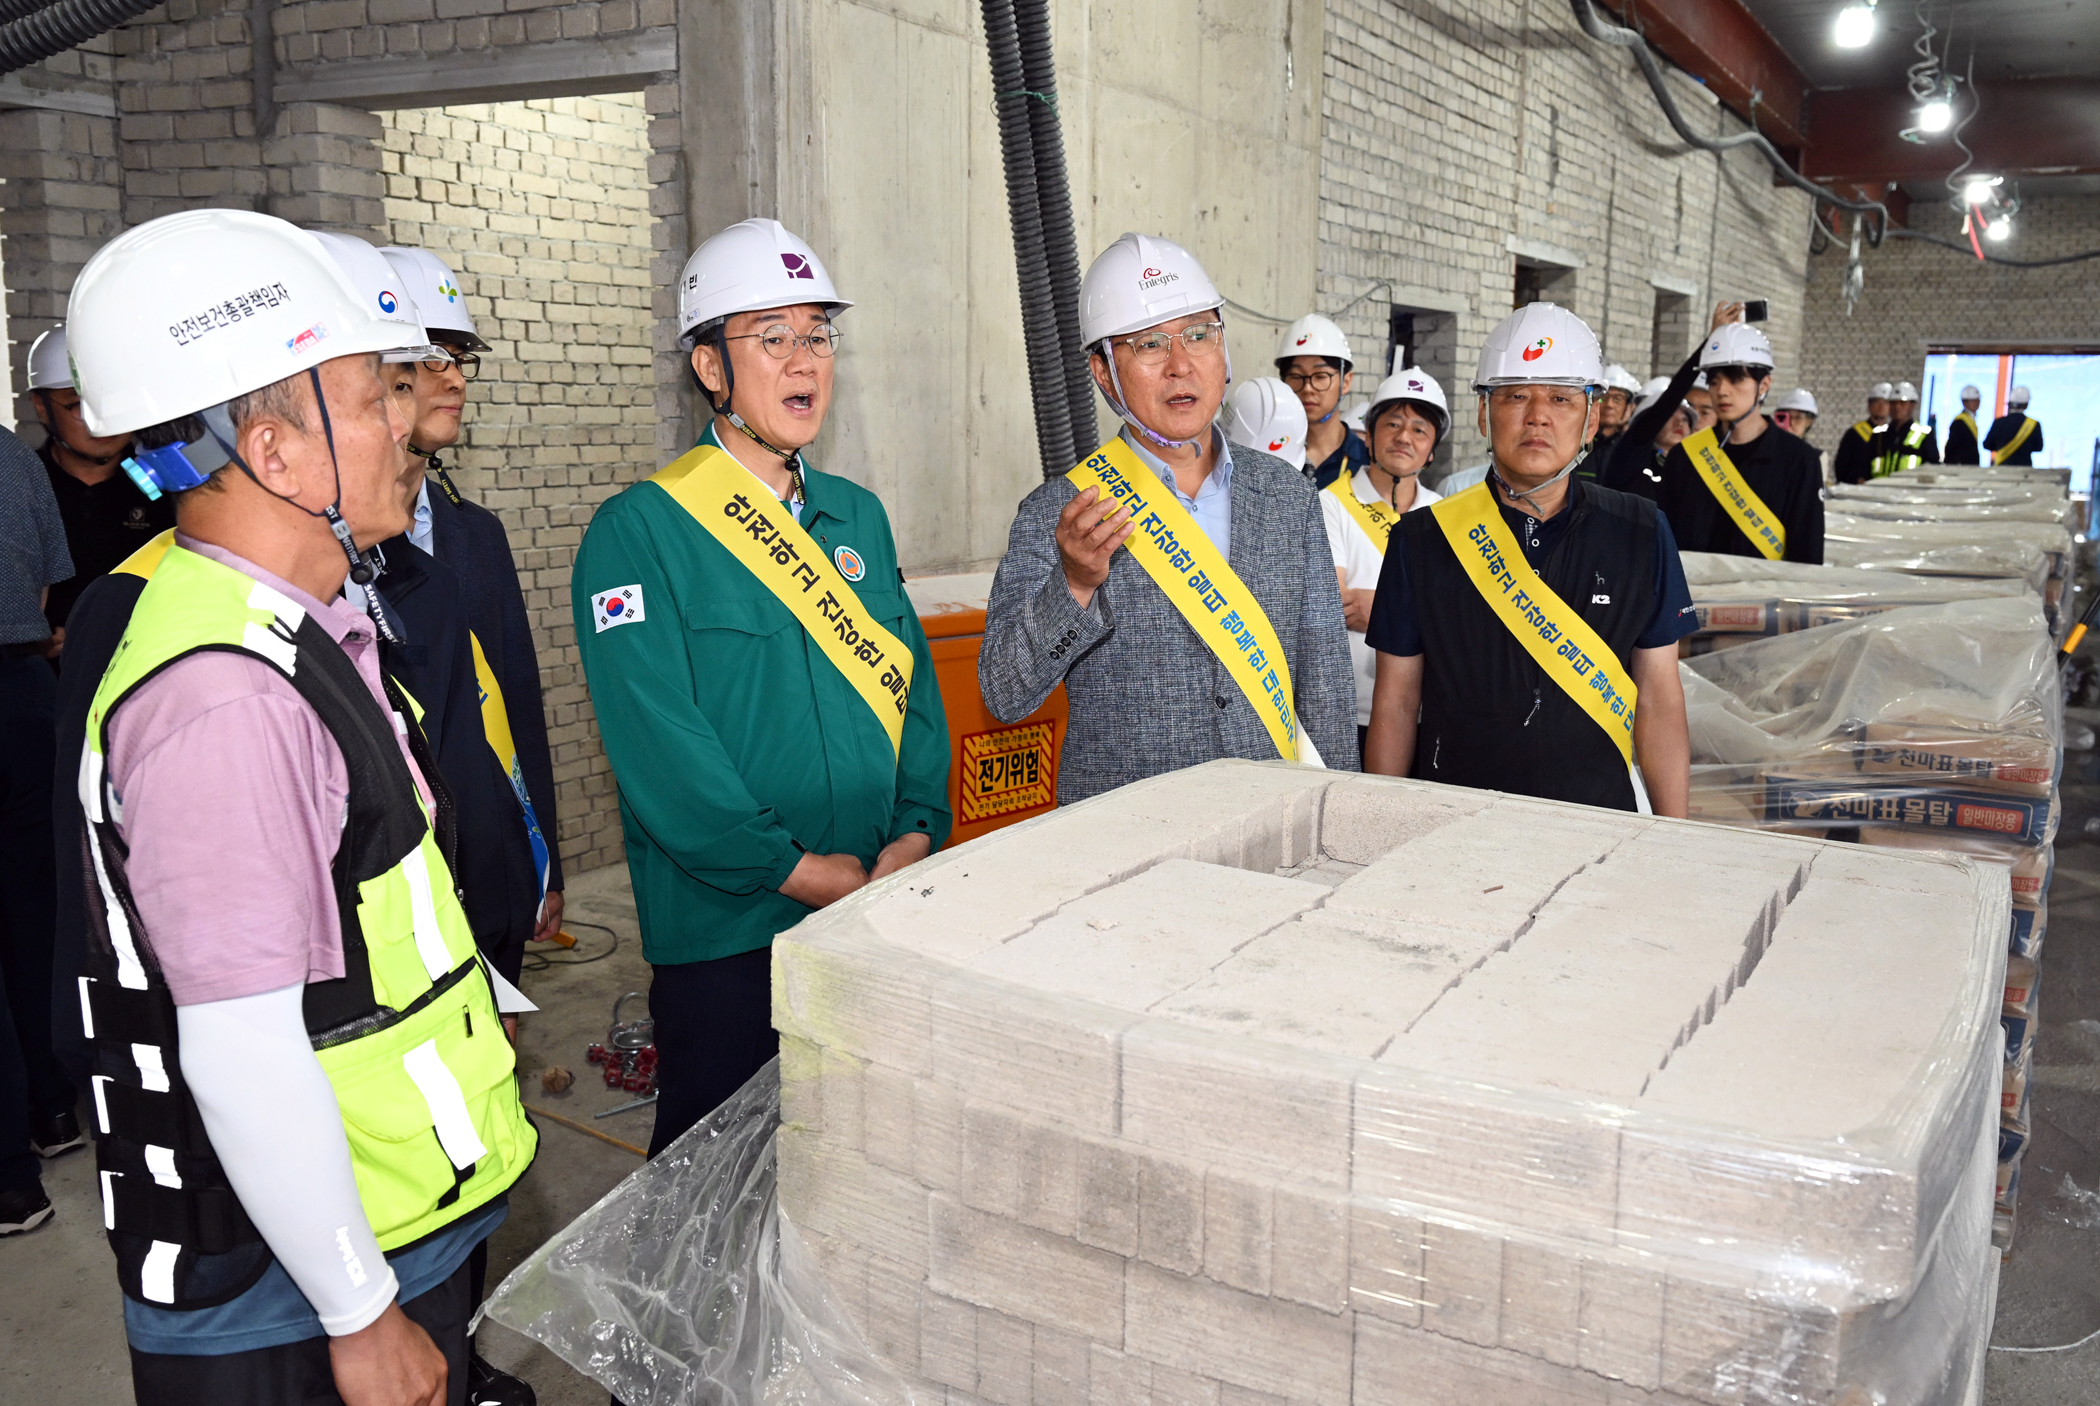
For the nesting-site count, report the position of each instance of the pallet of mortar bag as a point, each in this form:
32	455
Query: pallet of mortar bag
2037	553
1256	1083
1739	599
2027	502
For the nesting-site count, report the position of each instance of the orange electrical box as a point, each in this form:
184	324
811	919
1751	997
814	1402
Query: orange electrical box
998	772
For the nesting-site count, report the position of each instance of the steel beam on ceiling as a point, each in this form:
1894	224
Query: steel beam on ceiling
2036	127
1721	43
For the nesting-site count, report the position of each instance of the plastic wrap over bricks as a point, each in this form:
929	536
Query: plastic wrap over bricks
1259	1084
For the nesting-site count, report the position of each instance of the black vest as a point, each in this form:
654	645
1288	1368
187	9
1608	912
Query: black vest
1491	717
221	1255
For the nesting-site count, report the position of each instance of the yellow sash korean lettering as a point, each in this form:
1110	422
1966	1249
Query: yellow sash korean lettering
1553	634
743	515
1999	456
1376	519
1748	511
1183	562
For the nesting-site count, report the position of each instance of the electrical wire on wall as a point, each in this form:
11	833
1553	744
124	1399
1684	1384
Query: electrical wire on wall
1873	229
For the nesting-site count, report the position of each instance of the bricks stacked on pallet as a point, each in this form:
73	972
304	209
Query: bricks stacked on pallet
1921	728
1259	1084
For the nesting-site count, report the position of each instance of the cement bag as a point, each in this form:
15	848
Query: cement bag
687	1286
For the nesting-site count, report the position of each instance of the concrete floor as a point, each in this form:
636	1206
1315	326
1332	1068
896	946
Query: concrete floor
61	1335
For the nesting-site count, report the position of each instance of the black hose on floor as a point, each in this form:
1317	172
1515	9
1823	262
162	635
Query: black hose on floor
1054	202
55	28
1039	321
21	9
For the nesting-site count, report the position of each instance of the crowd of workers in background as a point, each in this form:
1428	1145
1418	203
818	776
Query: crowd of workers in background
275	725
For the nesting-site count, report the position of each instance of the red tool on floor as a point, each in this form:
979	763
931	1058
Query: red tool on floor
628	1055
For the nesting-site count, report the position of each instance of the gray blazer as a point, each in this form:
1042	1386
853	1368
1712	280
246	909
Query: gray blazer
1147	695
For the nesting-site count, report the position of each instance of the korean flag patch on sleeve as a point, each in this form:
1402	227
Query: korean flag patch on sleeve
620	606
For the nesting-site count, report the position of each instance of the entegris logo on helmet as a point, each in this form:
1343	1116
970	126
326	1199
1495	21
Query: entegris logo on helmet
387	301
850	565
797	266
1538	349
1153	278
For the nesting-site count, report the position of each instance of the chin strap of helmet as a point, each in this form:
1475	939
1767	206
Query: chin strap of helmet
793	457
1116	402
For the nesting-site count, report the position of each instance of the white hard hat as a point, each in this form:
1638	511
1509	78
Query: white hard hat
186	312
1540	344
2018	396
1881	390
1263	414
1905	391
48	369
1971	393
1736	344
390	298
1416	387
1799	399
1353	415
753	265
1141	281
1699	382
1314	335
439	301
1651	391
1618	378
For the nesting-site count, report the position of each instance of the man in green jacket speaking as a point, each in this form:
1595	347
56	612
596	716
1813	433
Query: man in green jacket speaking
761	682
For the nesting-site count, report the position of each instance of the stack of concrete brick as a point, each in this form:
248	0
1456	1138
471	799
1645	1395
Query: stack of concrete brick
1923	729
1259	1084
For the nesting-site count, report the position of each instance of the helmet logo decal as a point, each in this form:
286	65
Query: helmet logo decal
797	266
307	340
1538	349
448	290
1151	273
1276	444
1414	385
387	301
1303	340
850	565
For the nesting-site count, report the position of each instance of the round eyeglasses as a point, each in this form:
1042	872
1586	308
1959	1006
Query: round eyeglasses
779	341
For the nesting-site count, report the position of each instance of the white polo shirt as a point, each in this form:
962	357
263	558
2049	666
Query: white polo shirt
1359	559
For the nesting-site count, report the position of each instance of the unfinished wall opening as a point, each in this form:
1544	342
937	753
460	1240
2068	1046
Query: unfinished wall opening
543	208
1670	335
1429	339
1541	282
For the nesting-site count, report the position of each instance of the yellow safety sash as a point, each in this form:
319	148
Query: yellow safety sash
1965	418
1562	642
742	514
1184	563
1999	456
495	726
1748	511
1376	519
1865	430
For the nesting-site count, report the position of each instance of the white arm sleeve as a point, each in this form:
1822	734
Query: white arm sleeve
275	1126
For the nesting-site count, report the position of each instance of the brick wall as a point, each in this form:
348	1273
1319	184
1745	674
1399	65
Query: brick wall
543	207
1452	131
1919	294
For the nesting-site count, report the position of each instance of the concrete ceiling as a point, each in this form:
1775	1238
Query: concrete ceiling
2009	39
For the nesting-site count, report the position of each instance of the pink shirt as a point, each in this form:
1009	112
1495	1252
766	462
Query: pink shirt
234	797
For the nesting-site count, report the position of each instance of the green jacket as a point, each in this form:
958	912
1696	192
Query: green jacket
731	735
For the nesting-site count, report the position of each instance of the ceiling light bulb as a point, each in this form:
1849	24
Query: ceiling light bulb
1976	192
1998	229
1854	28
1936	116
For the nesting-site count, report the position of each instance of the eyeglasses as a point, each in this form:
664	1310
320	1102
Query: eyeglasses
469	365
1320	380
780	341
1197	339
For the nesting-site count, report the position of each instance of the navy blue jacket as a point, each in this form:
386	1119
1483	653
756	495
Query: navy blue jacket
470	539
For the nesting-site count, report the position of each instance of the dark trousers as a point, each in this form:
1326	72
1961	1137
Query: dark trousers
31	1083
714	1030
299	1374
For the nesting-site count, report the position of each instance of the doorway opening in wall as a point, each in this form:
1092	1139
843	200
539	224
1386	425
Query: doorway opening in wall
1426	338
541	206
1540	282
2064	383
1670	332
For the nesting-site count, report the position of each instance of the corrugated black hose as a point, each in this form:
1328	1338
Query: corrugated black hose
17	9
1046	355
1054	199
56	28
